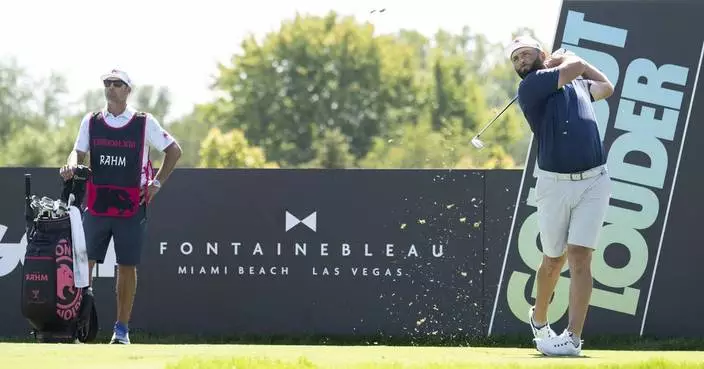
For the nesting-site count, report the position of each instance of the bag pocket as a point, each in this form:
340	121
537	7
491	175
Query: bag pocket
39	290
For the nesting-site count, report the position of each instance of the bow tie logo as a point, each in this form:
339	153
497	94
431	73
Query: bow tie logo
309	221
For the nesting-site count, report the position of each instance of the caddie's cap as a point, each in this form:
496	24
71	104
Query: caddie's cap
119	74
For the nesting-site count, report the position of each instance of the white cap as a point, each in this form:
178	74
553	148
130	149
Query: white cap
522	41
119	74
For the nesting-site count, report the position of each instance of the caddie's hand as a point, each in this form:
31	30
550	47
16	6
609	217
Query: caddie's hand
66	172
151	191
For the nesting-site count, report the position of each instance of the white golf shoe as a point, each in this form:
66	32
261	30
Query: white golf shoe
543	332
561	345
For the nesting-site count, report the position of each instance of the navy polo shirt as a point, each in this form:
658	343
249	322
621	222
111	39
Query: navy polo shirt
563	121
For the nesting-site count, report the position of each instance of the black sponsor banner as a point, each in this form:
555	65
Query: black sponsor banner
653	63
293	252
677	301
318	252
191	281
500	201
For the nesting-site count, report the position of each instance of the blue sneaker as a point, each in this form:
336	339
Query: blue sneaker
120	334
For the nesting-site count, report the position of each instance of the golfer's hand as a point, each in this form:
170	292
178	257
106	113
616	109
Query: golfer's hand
67	171
151	191
557	58
554	61
561	52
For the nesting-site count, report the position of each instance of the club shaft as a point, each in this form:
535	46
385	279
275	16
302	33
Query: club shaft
27	185
497	116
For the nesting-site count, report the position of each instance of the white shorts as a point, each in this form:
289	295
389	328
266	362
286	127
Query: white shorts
571	211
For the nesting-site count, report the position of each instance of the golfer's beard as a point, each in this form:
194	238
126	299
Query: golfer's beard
537	65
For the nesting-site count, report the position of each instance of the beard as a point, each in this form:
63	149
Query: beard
537	65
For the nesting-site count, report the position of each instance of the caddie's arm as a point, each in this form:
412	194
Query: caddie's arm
76	158
171	155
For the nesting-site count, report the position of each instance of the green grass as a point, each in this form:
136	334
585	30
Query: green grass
303	363
141	356
597	342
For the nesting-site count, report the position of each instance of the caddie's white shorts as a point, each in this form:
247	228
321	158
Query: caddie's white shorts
571	211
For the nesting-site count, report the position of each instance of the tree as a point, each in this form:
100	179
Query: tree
231	150
152	99
191	129
155	100
498	159
24	101
31	111
332	151
316	74
319	92
419	146
26	146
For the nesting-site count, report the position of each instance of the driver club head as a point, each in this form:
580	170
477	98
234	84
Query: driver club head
476	142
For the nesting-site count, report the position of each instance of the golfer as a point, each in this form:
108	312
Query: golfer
120	186
573	188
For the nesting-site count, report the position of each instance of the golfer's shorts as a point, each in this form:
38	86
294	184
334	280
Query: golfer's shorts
128	235
571	211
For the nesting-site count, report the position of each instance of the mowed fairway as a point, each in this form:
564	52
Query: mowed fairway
100	356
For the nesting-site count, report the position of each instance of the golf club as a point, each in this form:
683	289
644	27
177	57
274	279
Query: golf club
476	142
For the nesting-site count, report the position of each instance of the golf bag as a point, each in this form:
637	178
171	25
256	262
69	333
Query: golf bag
55	298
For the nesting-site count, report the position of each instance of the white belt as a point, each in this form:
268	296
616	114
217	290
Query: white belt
589	173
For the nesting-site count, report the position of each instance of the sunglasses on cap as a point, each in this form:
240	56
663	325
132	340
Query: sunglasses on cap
114	82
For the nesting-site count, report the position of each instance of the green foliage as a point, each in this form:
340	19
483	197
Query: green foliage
37	125
26	102
315	74
415	146
26	146
230	150
156	101
190	131
390	95
323	92
32	130
332	151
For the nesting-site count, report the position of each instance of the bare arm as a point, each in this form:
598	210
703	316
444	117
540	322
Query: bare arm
76	158
172	154
79	152
601	87
570	68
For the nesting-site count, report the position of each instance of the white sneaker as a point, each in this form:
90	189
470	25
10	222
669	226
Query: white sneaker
120	334
543	332
561	345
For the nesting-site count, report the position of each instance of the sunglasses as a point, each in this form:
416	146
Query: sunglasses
116	83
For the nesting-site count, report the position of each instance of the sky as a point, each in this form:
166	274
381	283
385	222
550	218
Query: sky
178	45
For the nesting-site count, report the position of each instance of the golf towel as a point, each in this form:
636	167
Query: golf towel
80	255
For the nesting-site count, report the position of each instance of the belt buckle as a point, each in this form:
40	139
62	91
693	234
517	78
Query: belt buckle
576	176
